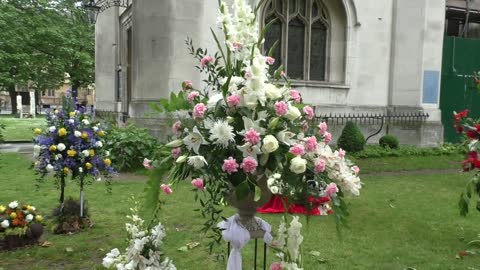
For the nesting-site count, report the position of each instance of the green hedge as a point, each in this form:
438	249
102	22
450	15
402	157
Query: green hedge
377	151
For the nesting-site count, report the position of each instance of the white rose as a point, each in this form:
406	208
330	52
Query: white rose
99	144
272	91
298	165
85	153
77	133
95	129
270	144
197	162
61	147
29	218
13	205
274	190
52	128
293	113
49	167
5	224
85	122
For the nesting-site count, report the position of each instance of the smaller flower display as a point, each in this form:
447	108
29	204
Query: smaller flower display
17	217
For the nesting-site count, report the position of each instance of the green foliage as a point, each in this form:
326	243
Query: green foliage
351	139
2	127
377	151
176	102
128	147
389	141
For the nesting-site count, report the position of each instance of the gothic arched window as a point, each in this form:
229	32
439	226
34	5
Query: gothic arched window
301	28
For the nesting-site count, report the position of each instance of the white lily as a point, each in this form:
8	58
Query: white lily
194	140
286	137
249	150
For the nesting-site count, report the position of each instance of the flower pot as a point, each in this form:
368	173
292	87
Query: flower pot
14	241
247	207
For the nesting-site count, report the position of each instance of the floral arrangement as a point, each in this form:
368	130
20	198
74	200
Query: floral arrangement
71	145
144	247
288	245
246	126
471	129
15	218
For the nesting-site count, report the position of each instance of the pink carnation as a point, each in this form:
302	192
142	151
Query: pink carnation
252	136
249	164
230	165
234	100
327	137
323	128
295	95
331	190
311	144
176	127
205	60
199	110
198	183
147	163
355	169
308	112
320	166
270	60
176	152
192	95
281	108
276	266
297	150
166	189
341	153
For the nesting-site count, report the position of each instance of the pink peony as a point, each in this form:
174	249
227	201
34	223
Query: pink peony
166	189
230	165
252	136
276	266
327	137
176	127
199	110
234	100
205	60
311	144
147	163
281	108
341	153
308	112
270	60
320	166
323	128
295	95
176	152
297	150
198	183
249	164
355	169
192	95
331	190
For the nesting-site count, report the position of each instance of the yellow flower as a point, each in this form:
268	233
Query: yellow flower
29	208
108	162
62	132
72	114
66	170
84	135
71	153
53	148
37	131
101	133
13	215
88	165
56	111
2	209
38	218
91	152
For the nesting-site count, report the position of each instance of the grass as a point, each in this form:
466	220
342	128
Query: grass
398	222
17	129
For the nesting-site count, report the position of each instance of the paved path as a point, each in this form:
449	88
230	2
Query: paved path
24	148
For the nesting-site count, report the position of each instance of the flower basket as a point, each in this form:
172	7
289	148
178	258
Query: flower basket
15	241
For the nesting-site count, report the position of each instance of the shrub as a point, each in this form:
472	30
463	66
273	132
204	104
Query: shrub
389	141
377	151
128	147
69	220
352	139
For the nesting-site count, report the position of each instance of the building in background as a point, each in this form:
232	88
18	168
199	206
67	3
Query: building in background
363	58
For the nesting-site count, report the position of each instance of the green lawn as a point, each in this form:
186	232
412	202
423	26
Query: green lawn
399	222
17	129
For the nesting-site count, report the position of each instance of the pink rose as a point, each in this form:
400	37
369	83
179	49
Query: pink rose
295	95
308	112
206	60
331	190
187	84
281	108
166	189
323	128
276	266
270	60
192	95
341	153
147	163
327	137
234	100
311	144
199	110
249	164
230	165
176	152
297	150
355	169
320	166
252	136
198	183
176	127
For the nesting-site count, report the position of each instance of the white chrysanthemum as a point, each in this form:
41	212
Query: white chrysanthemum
13	205
222	133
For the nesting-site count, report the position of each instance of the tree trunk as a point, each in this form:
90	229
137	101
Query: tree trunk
62	193
13	98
